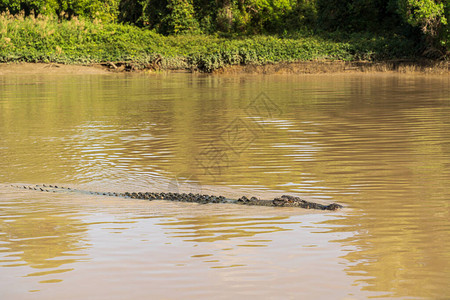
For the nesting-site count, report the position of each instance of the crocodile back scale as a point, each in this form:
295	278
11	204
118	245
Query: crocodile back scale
283	201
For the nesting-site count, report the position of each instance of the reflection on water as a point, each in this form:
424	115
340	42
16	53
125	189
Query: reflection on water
40	235
223	227
378	144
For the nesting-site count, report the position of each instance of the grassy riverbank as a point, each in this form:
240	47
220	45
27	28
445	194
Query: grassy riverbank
46	39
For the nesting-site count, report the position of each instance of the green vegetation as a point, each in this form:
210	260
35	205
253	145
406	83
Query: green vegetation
207	35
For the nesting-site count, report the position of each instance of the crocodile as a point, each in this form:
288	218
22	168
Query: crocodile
283	201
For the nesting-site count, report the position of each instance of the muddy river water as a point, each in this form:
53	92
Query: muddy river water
377	144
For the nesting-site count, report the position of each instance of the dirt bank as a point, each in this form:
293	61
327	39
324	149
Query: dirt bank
50	68
308	67
323	67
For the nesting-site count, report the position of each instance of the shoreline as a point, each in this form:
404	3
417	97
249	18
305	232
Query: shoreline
410	67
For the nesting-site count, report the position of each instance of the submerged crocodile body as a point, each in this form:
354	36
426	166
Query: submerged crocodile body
283	201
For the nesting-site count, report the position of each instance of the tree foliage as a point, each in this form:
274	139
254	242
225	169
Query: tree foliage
244	16
170	16
428	15
105	10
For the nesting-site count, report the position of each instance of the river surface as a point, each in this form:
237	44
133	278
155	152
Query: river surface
377	144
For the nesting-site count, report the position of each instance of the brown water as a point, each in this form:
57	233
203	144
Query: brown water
378	144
